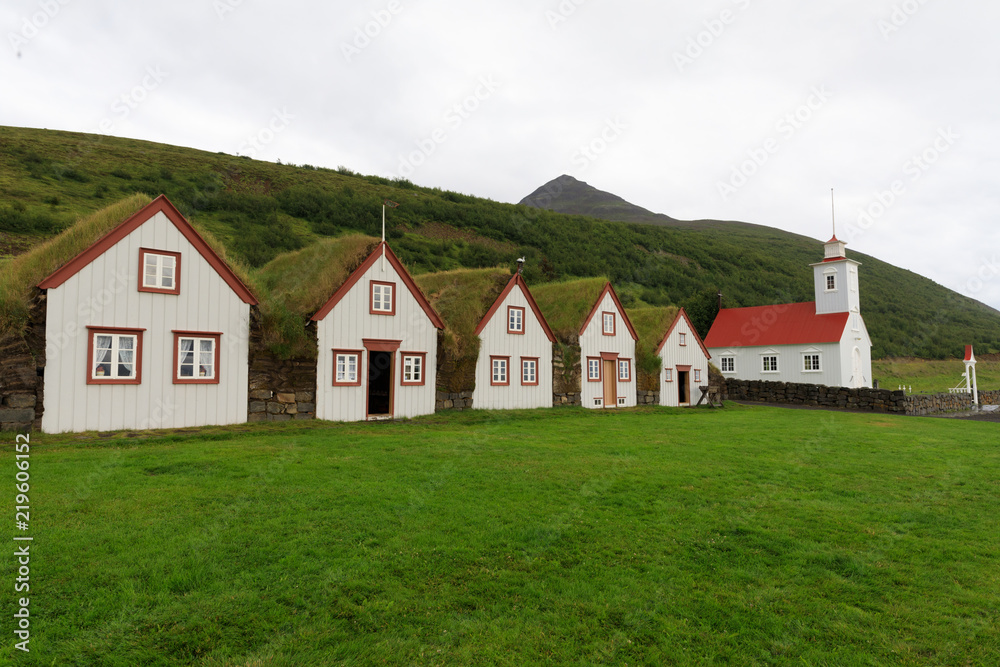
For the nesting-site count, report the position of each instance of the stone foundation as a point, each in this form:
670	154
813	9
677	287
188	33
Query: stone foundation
22	365
452	401
569	398
647	397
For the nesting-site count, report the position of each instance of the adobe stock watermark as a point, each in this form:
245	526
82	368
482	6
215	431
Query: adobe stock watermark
278	123
32	25
899	17
913	169
87	311
592	150
562	12
364	34
453	118
786	127
713	29
225	7
988	271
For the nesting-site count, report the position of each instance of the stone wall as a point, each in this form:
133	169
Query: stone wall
280	389
647	397
930	404
792	393
874	400
452	401
567	398
22	364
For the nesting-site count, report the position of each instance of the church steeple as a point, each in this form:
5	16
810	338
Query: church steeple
836	280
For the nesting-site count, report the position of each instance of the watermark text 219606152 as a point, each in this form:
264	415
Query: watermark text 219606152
22	622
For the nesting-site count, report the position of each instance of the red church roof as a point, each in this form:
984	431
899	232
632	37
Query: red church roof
785	324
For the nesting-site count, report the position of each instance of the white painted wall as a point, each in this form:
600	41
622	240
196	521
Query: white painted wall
673	354
348	323
105	293
593	342
856	335
790	363
495	340
846	296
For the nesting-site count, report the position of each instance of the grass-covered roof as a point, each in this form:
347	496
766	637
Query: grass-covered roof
294	285
566	304
650	324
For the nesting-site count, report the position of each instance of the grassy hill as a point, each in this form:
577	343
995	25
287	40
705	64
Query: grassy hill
259	210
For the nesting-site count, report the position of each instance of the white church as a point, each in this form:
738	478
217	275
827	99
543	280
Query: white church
820	342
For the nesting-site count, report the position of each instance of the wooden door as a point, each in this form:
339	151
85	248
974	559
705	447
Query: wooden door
610	383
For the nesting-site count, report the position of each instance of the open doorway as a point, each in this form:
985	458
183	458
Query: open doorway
379	384
683	390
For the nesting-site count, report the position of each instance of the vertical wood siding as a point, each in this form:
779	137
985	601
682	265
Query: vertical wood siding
496	341
593	342
105	293
348	323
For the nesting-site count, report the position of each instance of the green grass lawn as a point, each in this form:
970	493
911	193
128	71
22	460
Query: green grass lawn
742	536
930	376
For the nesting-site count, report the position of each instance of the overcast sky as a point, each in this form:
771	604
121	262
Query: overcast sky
733	109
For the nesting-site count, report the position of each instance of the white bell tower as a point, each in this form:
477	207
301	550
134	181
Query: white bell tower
836	281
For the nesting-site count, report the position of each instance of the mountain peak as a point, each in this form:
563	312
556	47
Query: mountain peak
566	194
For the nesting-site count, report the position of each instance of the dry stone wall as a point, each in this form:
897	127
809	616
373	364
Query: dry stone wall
280	389
22	364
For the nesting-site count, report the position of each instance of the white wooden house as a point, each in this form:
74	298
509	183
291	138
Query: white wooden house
514	368
607	354
685	363
819	342
377	337
146	328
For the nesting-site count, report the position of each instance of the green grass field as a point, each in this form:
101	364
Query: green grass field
742	536
931	376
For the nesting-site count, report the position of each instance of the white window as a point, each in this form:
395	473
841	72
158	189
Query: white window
159	271
810	362
624	370
413	369
515	319
609	324
499	374
593	369
597	402
345	367
697	375
196	358
728	364
114	356
529	371
382	298
770	364
669	374
621	400
684	338
831	281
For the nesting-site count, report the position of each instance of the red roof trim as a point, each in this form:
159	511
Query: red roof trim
404	275
614	297
159	205
516	279
782	324
694	332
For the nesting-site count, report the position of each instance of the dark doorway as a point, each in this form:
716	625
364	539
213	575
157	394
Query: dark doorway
684	392
379	383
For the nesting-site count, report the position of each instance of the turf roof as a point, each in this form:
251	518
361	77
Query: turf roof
650	324
20	275
566	305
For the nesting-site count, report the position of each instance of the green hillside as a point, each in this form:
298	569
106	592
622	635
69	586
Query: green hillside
260	210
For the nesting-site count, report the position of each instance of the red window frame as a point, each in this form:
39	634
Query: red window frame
600	369
215	335
668	374
371	298
92	333
628	369
142	271
515	331
682	337
696	375
402	369
506	361
614	323
360	355
529	384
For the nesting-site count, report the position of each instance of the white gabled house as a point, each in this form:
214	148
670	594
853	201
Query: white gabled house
377	337
684	365
819	342
514	368
607	355
146	328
